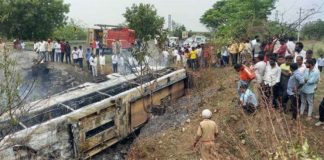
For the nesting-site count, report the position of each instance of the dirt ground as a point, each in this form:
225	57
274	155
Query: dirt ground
265	135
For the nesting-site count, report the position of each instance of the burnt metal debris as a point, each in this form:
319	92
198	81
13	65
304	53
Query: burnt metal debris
83	121
11	126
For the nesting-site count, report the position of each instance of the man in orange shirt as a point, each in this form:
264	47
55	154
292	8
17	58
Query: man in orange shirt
246	75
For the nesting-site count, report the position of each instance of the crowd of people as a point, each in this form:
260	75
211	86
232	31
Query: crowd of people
60	51
280	71
187	56
270	75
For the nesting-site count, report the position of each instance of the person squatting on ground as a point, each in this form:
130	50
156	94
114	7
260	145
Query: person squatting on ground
206	135
248	100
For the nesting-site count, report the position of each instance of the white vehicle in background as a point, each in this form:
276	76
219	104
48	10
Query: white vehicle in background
194	41
173	41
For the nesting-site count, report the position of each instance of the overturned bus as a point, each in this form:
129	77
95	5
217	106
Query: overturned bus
82	121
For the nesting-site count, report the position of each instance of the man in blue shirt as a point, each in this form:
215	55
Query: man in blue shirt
311	76
295	83
88	55
248	100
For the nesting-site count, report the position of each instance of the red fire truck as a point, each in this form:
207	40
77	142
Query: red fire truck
106	34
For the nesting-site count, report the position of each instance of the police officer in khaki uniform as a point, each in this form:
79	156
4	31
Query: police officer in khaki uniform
206	134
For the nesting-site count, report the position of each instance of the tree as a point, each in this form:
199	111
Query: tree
32	19
70	31
231	19
144	20
313	30
178	29
9	86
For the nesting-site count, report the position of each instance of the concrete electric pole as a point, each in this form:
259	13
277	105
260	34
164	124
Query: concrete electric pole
299	24
276	16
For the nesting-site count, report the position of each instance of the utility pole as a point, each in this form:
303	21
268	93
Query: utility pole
282	17
276	16
299	24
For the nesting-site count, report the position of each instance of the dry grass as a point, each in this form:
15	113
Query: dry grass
314	45
268	134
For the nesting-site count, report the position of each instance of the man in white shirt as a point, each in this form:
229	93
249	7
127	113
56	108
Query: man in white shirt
97	47
272	73
256	48
102	63
259	68
271	80
57	53
80	57
248	48
254	41
42	50
320	63
291	46
50	47
93	64
115	59
177	57
165	55
301	65
36	46
224	56
300	52
22	45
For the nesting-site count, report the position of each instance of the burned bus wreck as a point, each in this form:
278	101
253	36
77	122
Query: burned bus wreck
85	120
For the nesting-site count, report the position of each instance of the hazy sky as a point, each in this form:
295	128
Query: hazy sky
186	12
